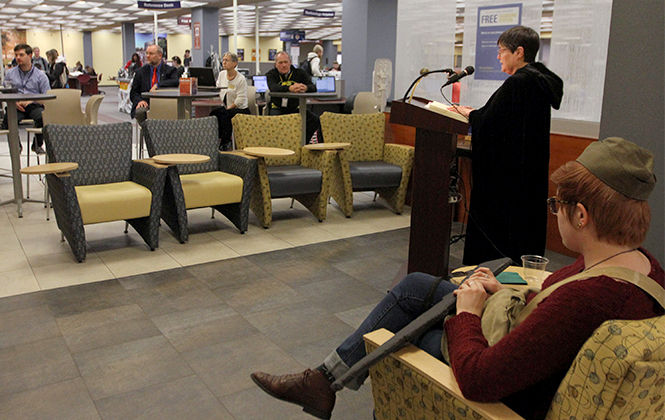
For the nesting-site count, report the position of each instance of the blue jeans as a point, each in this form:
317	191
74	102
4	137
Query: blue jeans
404	303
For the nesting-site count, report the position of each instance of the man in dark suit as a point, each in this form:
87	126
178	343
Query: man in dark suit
155	74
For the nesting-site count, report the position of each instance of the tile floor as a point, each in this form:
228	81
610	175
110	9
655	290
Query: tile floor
174	333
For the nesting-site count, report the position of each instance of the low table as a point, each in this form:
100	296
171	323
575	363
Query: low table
180	158
268	151
49	168
327	146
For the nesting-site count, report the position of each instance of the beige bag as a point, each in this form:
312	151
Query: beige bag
506	309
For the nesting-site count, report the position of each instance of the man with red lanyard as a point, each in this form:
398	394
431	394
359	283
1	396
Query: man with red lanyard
154	74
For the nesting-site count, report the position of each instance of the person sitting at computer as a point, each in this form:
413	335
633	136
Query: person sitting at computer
234	98
286	78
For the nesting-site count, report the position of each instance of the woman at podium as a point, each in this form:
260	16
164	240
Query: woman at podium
511	153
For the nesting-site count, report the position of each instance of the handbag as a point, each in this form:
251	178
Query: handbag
506	309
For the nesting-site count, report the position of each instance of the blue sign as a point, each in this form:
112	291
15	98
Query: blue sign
492	22
318	13
292	35
159	5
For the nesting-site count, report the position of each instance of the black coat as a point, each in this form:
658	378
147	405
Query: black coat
511	153
168	77
281	83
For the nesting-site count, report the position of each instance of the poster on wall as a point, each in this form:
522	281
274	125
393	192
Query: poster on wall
241	54
272	52
197	35
254	53
10	38
492	22
142	40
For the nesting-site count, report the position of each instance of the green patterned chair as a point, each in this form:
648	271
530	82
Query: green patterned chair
223	183
368	164
107	185
304	176
619	373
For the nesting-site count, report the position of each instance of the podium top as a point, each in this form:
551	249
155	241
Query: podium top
416	115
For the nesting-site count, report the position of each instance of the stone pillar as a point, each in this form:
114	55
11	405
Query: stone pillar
208	19
329	54
87	48
365	37
225	44
128	42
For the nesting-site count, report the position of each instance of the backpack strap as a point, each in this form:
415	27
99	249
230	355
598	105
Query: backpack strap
649	286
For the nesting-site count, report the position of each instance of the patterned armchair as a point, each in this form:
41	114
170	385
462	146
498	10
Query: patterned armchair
223	183
304	176
619	373
107	185
368	164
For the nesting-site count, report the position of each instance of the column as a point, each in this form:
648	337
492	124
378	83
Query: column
87	48
208	20
329	54
633	96
366	37
225	43
128	42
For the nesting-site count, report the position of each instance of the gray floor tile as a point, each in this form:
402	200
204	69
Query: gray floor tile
227	273
86	297
62	400
158	278
253	404
259	296
340	293
184	398
106	327
32	365
376	271
130	366
200	327
226	367
13	303
25	325
174	296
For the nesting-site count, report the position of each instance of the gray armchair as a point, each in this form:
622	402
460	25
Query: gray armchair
223	183
107	185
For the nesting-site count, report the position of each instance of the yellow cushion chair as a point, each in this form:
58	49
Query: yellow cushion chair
619	373
368	164
304	176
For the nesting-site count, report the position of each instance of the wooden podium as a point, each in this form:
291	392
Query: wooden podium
431	214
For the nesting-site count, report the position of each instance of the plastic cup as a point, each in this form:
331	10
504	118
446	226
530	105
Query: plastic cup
534	268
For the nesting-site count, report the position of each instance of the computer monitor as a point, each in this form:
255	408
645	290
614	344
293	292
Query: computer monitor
260	83
204	75
325	84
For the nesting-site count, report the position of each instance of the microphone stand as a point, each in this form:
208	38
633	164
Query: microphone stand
415	82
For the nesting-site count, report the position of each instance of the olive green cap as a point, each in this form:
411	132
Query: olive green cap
622	165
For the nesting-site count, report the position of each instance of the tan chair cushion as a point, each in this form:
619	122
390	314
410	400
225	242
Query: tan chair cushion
210	189
115	201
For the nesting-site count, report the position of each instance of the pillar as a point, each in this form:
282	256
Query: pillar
87	48
128	42
329	54
208	19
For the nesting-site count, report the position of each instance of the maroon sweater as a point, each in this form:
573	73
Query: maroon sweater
525	368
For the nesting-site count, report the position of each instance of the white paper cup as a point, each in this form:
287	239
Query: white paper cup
534	268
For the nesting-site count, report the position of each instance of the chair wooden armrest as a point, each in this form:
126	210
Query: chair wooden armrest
412	381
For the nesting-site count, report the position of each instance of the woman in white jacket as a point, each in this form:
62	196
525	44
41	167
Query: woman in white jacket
314	59
234	98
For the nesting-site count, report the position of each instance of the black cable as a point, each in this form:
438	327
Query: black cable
452	104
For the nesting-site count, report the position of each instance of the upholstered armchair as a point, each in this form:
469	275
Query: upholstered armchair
368	164
619	373
304	176
223	183
107	185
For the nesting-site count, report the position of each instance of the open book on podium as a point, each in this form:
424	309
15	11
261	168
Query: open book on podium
442	109
431	212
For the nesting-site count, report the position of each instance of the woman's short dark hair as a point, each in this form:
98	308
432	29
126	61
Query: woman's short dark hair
176	60
521	36
25	47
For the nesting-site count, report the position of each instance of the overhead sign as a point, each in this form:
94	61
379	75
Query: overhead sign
318	13
492	22
159	5
292	35
185	20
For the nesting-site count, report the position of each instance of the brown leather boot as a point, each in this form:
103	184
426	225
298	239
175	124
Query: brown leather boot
309	389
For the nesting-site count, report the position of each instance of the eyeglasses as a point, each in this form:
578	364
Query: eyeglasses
553	204
501	50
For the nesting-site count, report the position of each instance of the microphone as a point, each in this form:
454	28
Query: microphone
456	77
425	71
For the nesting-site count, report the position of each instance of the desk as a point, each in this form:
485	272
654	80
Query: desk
49	168
203	107
73	82
302	106
184	99
14	140
318	106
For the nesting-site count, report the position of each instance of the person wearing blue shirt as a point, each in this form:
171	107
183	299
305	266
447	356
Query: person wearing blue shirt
26	78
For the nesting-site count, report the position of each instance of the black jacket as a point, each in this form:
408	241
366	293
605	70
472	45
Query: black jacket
511	153
168	77
281	83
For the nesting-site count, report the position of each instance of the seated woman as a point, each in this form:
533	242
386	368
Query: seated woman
234	98
603	214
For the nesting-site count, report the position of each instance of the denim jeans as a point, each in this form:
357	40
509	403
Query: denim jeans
404	303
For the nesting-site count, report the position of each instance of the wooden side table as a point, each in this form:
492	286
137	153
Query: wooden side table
268	151
49	168
327	146
180	158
